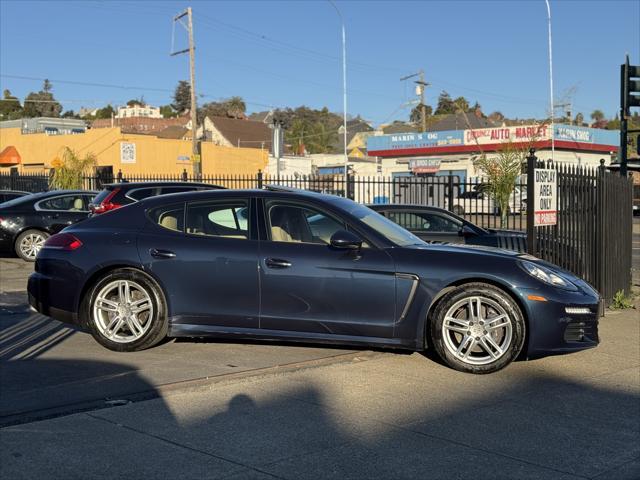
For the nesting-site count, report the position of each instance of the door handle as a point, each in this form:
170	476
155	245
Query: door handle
156	253
277	263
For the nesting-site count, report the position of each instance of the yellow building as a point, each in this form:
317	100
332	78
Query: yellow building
133	154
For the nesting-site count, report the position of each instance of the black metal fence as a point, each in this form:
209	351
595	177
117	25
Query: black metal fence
592	237
593	234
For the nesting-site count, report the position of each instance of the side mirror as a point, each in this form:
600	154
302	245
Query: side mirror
346	240
466	231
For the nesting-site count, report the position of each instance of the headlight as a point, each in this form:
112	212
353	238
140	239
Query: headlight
546	275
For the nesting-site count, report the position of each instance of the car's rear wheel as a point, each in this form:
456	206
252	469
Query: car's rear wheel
126	311
477	328
29	243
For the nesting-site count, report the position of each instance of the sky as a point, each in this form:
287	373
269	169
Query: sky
286	54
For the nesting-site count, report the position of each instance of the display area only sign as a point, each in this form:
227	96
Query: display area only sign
545	198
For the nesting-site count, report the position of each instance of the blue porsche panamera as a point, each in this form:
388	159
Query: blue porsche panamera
291	265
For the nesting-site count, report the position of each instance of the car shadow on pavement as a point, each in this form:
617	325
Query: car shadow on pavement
346	421
30	338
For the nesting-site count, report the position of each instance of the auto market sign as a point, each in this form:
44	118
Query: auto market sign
545	197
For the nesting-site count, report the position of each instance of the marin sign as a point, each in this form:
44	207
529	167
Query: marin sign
545	198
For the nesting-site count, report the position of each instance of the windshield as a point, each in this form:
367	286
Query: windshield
392	231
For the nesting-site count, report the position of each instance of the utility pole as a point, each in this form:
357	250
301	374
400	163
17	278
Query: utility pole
420	86
197	165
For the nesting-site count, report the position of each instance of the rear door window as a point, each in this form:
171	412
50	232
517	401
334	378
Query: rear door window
67	203
228	218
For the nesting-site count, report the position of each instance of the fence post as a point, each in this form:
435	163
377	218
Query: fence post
531	232
601	187
13	178
119	176
184	175
259	179
450	194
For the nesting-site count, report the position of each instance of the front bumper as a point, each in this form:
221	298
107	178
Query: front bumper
564	325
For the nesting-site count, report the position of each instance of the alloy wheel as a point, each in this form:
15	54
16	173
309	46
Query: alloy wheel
477	330
122	311
31	244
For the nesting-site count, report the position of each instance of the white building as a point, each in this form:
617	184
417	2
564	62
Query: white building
138	111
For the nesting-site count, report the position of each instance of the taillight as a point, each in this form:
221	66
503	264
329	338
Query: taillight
104	207
62	241
106	204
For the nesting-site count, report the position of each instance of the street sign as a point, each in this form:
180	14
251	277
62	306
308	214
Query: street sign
545	197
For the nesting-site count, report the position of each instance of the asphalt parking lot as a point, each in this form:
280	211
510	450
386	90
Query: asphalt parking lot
214	409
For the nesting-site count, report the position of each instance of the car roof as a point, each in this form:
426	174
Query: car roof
15	191
263	193
168	183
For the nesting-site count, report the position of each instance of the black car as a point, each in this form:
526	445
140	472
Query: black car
434	224
6	195
116	195
303	266
26	222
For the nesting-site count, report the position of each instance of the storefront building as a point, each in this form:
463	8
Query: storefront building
454	152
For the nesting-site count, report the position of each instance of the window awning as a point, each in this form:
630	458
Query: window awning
10	157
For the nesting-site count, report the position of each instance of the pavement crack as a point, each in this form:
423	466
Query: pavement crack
184	447
615	468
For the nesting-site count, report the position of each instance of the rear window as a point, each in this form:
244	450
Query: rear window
142	193
102	195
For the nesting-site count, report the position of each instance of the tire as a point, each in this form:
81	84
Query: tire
29	243
121	321
481	344
458	210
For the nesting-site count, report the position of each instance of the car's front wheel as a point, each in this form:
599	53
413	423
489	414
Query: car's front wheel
477	328
126	311
29	243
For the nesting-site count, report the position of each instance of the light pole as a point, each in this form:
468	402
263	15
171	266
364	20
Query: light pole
553	144
344	97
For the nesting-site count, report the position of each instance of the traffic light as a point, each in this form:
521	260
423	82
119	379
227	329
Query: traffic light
629	86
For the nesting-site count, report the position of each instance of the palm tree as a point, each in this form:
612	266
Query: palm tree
597	115
70	171
236	107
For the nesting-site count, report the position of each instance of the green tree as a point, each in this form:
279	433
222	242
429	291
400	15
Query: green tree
502	173
106	112
167	111
10	107
236	108
416	113
70	114
579	119
445	104
182	97
462	104
70	171
42	103
134	101
597	115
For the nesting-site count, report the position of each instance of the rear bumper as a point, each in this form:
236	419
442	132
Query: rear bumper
41	290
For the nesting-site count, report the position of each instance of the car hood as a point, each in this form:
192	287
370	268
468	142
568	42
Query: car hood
457	248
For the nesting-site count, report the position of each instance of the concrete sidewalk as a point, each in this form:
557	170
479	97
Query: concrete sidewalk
386	416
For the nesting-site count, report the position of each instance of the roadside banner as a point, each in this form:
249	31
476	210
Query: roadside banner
545	199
